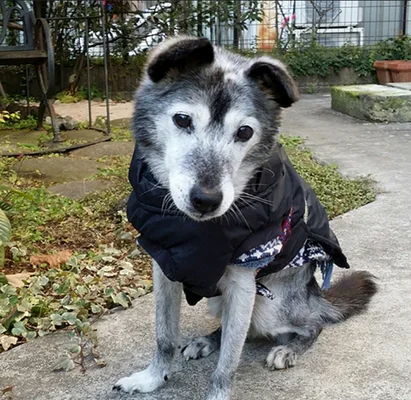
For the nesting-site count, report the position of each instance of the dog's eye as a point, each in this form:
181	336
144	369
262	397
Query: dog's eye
182	120
244	133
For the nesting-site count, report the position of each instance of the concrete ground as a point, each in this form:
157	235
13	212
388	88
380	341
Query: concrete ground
367	358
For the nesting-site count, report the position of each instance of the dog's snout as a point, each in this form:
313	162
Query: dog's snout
205	201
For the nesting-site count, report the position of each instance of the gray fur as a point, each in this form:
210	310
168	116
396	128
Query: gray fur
221	92
202	346
168	303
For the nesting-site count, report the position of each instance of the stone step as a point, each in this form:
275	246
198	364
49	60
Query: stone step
401	85
57	169
109	149
376	103
77	190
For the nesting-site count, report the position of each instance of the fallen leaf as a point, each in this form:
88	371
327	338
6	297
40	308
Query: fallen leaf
7	389
65	363
53	260
100	363
7	341
16	280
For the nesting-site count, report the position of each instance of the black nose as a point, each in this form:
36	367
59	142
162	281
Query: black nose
204	200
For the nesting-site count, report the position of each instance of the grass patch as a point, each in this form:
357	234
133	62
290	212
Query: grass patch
337	193
103	268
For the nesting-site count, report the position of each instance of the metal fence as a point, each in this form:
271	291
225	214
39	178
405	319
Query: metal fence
259	25
134	25
85	31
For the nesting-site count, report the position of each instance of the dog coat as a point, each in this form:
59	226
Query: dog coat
289	218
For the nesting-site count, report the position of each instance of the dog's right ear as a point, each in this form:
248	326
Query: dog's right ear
178	55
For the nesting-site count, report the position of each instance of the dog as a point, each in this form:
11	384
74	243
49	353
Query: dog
210	183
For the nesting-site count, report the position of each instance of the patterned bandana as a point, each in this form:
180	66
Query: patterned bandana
261	256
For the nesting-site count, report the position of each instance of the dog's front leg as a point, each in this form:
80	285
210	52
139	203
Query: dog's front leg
238	296
168	303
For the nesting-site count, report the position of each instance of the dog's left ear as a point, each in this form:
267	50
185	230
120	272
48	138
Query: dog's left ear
274	80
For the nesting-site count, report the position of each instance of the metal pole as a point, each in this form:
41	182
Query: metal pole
103	29
88	65
27	89
404	17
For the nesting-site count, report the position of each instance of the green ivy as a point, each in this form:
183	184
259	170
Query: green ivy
84	287
314	59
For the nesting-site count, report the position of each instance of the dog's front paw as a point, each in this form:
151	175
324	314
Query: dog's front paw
281	357
198	348
140	382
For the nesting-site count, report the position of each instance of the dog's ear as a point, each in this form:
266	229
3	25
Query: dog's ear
274	80
178	55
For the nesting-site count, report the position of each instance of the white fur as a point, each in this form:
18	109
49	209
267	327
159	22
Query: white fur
281	357
143	382
179	144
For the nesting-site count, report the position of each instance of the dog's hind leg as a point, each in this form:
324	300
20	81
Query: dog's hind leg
238	295
168	303
285	355
202	346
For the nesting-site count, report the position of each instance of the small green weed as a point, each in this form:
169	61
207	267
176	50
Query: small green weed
17	123
81	94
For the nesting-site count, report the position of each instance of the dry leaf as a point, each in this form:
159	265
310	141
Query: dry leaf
16	280
54	260
7	389
7	341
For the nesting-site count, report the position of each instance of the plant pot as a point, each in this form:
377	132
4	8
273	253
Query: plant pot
393	71
401	71
383	72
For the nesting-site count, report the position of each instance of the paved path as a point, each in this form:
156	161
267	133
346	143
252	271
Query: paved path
367	358
79	111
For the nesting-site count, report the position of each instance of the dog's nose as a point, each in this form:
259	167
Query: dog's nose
205	201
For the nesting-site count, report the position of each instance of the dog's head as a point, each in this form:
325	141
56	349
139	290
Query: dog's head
206	119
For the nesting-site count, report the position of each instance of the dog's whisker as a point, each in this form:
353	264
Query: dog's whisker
256	198
246	203
242	216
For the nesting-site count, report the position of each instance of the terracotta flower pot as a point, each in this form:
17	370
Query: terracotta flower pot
383	72
393	71
401	71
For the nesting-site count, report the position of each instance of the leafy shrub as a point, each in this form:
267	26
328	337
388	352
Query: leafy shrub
7	118
315	59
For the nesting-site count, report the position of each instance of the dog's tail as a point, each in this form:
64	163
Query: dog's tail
351	294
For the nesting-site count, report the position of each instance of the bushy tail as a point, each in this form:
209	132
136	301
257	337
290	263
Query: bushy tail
351	294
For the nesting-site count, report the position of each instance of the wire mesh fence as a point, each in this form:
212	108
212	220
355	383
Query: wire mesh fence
135	26
107	31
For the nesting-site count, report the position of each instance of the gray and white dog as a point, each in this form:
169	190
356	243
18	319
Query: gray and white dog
215	122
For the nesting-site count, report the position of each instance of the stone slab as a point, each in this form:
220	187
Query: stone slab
111	149
86	135
375	103
12	140
57	169
121	123
77	190
401	85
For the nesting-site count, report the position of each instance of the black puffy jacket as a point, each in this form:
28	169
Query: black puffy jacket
197	253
